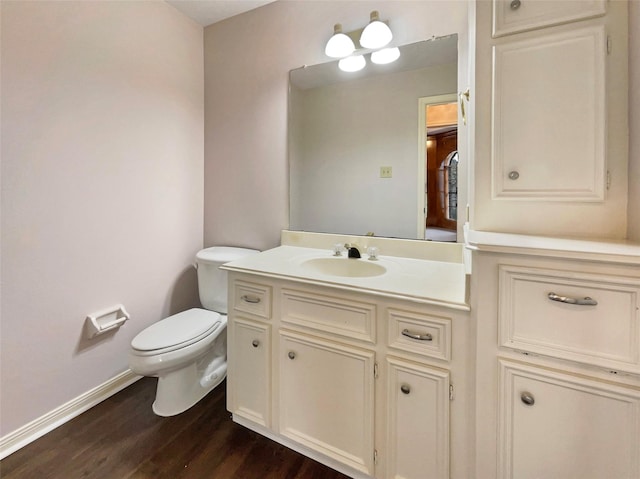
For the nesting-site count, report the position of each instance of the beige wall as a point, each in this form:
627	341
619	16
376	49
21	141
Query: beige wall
102	187
247	62
634	121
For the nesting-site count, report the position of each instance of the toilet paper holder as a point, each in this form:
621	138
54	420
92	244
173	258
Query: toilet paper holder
105	320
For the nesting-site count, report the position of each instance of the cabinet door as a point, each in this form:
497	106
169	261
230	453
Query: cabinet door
549	117
249	378
556	425
417	421
326	398
512	16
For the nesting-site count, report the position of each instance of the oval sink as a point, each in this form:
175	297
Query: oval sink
349	267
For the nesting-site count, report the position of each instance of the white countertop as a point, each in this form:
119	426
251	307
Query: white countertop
439	283
615	251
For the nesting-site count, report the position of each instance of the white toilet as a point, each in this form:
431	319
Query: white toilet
188	351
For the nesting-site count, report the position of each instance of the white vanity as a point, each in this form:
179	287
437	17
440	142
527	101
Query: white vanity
364	368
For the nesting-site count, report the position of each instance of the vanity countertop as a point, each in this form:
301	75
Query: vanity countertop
440	283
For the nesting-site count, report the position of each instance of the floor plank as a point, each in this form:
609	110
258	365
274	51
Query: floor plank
121	438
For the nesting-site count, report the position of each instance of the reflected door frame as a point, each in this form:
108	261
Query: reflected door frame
422	155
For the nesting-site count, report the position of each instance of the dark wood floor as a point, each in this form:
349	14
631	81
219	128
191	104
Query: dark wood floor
122	438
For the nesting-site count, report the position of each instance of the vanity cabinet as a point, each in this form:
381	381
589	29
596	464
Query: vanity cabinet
360	382
418	436
327	398
551	112
554	424
558	365
249	390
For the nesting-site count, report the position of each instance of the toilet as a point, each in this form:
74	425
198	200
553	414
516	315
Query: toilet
187	351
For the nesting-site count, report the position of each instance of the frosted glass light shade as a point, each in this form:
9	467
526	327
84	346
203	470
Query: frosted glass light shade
339	45
386	55
377	34
352	64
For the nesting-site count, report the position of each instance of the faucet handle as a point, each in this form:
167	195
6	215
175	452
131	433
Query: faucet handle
372	251
338	248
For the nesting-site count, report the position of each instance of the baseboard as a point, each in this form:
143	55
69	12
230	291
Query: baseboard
44	424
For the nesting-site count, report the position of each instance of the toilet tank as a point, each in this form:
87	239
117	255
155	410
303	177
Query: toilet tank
212	281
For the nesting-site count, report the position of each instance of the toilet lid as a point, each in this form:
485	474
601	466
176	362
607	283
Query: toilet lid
185	327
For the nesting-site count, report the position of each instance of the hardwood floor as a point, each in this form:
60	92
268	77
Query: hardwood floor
122	438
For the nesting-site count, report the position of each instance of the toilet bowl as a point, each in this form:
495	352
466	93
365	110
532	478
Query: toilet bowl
187	351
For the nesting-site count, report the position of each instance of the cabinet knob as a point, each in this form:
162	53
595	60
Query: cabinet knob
255	343
291	355
514	175
405	388
527	398
515	4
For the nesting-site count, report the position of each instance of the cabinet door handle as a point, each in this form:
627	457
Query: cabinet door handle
586	301
462	96
418	336
255	343
405	388
291	355
250	299
527	398
515	4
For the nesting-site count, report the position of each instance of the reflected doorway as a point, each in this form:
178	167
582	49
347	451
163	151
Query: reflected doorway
439	162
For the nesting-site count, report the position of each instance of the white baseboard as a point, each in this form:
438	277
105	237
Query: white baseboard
44	424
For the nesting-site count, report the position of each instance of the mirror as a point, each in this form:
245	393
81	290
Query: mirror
359	146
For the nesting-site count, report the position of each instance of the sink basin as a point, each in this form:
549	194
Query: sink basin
346	267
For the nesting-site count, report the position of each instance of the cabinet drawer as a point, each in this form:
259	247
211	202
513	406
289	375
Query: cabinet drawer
339	316
252	298
604	334
556	425
420	333
512	16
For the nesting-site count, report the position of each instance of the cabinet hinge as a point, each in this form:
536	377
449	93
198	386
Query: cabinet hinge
375	370
375	457
609	44
608	179
450	392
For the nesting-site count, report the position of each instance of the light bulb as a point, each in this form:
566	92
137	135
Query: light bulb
386	55
377	34
339	45
352	64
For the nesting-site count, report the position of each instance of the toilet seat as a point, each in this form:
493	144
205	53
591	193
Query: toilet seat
176	332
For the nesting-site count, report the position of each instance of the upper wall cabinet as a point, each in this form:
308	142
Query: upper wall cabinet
513	16
551	132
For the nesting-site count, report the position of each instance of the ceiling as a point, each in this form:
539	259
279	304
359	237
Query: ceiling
206	12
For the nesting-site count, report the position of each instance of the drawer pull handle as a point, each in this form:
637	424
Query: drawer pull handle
419	337
515	4
405	388
291	355
255	343
586	301
250	299
527	398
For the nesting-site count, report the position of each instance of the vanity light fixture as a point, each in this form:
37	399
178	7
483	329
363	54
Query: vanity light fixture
372	39
339	45
377	34
386	55
352	64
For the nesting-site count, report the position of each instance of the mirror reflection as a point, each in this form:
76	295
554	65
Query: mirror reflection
375	151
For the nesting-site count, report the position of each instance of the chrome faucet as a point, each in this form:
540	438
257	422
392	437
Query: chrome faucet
353	251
